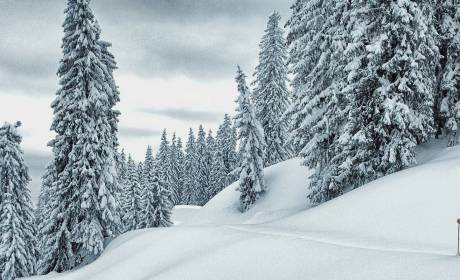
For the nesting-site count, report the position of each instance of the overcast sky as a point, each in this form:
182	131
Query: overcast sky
177	61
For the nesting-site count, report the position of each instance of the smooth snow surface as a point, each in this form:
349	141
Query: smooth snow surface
184	213
399	227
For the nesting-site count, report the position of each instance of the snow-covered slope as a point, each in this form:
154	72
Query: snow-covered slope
286	196
399	227
415	210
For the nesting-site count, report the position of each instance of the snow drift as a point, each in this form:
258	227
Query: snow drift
286	195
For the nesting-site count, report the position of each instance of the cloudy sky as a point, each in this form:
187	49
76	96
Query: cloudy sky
177	61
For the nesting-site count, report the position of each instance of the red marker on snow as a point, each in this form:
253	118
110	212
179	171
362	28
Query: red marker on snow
458	237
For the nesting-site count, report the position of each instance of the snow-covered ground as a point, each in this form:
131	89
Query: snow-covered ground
184	213
399	227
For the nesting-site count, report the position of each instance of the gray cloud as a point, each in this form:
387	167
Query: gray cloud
189	11
200	39
130	132
185	114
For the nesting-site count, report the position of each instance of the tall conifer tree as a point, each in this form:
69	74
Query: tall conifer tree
271	96
190	168
18	251
84	209
202	180
252	145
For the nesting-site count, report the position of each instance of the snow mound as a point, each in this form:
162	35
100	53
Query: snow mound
286	195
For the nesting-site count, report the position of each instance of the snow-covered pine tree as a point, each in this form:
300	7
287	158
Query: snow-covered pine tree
448	105
190	168
113	97
122	169
394	58
252	147
179	169
306	24
54	239
150	180
85	212
214	181
18	251
164	163
159	205
317	41
129	198
200	194
141	193
226	146
43	206
174	172
218	171
271	96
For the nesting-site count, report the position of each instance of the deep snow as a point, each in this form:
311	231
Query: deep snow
399	227
184	213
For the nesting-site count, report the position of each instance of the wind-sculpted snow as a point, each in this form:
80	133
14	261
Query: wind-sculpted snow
285	196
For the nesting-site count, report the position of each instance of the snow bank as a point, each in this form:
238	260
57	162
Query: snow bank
286	195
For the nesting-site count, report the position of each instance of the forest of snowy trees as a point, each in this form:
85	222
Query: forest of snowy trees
371	80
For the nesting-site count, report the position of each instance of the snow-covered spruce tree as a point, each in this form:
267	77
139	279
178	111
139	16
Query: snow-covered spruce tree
85	212
176	171
394	58
200	194
226	145
190	168
43	205
17	224
54	240
141	193
218	171
179	169
150	179
113	97
305	25
251	182
320	107
122	172
448	105
271	96
129	197
159	205
164	163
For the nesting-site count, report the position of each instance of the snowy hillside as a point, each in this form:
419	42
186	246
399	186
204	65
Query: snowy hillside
286	196
399	227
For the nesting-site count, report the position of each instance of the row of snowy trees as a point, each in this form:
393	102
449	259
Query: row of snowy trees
190	176
371	80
